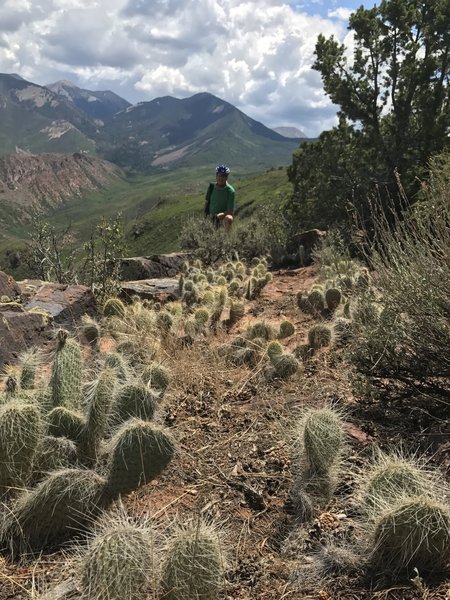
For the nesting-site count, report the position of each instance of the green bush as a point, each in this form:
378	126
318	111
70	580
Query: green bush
407	348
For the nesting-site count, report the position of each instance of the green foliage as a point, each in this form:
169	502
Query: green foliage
263	233
393	113
139	452
117	563
192	567
413	534
406	347
53	255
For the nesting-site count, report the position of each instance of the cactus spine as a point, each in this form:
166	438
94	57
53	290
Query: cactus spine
134	400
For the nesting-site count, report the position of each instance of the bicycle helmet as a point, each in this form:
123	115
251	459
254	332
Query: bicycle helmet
222	170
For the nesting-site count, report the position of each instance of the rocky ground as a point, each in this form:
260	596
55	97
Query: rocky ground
236	463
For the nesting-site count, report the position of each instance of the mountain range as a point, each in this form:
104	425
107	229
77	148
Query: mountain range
164	133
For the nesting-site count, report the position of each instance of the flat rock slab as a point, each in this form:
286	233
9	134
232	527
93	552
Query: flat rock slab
161	290
21	330
65	303
150	267
8	287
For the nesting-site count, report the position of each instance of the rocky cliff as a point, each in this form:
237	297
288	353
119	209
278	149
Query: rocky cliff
42	181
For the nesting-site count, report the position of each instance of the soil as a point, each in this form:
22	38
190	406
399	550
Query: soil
235	466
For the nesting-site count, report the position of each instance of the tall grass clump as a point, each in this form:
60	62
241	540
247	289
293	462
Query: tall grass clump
407	349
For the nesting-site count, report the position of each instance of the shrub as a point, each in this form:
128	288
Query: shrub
408	347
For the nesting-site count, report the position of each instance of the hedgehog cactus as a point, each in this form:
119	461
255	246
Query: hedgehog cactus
61	504
303	302
139	452
286	365
116	361
90	330
262	330
67	367
114	307
412	535
237	312
201	317
118	562
320	436
20	432
323	436
274	350
192	568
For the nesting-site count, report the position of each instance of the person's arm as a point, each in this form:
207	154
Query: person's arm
208	199
230	202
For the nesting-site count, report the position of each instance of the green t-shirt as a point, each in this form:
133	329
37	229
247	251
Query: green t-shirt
222	199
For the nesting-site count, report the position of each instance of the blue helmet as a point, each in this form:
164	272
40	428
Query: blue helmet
222	170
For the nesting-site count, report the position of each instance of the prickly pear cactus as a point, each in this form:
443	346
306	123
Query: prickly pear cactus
67	367
118	561
319	335
99	404
333	298
412	535
138	453
60	505
192	568
157	376
323	437
63	422
54	453
134	400
20	431
114	307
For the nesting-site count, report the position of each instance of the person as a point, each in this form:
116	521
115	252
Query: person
219	200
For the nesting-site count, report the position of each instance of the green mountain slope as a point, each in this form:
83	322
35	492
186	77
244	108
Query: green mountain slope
34	119
168	133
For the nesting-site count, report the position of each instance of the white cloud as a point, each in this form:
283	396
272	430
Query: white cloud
256	55
340	13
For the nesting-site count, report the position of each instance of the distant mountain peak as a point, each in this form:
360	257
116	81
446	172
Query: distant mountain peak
289	132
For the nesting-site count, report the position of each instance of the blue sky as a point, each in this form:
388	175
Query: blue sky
255	54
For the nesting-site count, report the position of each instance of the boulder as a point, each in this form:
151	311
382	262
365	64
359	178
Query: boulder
8	287
65	303
161	290
21	330
151	267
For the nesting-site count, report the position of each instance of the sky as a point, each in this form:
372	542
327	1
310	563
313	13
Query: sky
256	55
